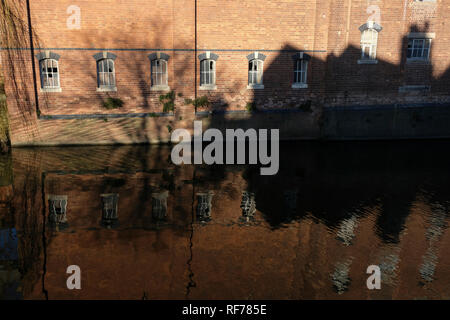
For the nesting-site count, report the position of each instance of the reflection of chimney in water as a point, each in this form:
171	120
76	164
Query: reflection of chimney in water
248	206
433	234
340	277
346	230
110	218
204	206
57	205
159	206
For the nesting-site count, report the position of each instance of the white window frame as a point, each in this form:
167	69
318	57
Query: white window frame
370	45
300	74
50	80
159	77
255	74
102	76
424	50
208	74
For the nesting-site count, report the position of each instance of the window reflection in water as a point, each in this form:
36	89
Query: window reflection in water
248	206
159	206
58	212
110	218
204	200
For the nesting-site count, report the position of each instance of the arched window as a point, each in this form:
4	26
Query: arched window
106	73
369	39
159	72
300	70
255	72
49	74
208	70
49	71
369	42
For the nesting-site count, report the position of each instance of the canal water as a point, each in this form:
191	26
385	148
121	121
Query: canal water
140	227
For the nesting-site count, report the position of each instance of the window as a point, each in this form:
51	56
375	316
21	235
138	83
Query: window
369	39
159	72
419	49
49	74
255	72
301	67
207	72
106	74
369	42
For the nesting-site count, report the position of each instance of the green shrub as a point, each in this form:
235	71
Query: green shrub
113	103
250	106
201	102
168	101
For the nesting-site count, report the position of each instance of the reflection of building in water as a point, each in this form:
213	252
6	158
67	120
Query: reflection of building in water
433	234
110	217
204	205
301	261
346	230
340	277
159	205
57	206
248	205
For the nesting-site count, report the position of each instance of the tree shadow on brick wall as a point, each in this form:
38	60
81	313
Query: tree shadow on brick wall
137	91
14	39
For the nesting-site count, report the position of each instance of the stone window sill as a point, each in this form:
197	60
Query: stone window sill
51	90
255	86
299	85
106	89
160	88
417	60
208	87
367	61
414	88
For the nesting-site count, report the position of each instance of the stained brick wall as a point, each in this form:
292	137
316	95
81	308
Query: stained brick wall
327	30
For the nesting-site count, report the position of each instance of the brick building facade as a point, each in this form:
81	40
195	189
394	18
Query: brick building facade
272	55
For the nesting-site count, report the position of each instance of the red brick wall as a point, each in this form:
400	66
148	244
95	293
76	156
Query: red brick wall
326	29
